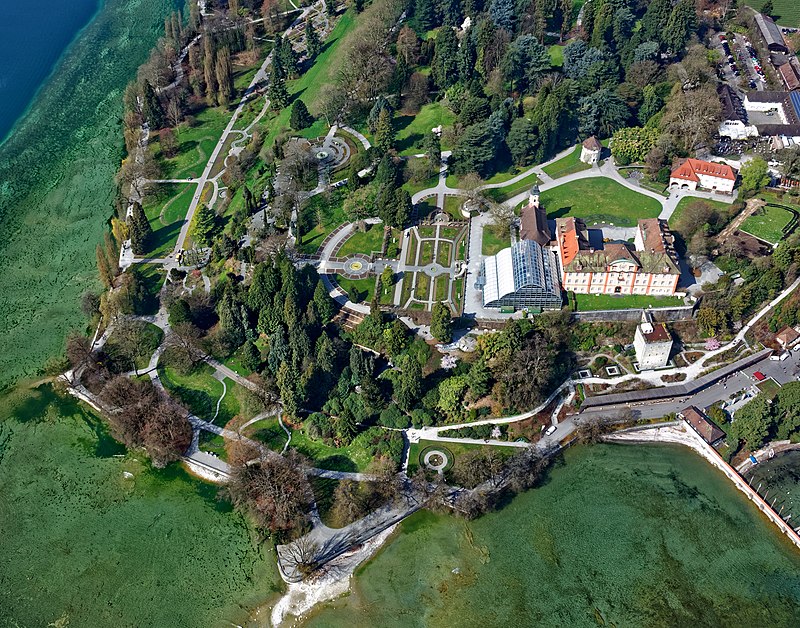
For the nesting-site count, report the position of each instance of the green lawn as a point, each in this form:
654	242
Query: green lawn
567	165
196	141
786	12
363	241
411	130
443	253
494	240
556	55
166	207
327	208
441	289
359	290
599	200
323	456
309	85
413	188
590	302
452	205
422	287
688	200
199	391
454	450
502	194
269	432
767	224
769	387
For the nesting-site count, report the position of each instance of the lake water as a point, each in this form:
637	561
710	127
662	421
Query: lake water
33	37
619	535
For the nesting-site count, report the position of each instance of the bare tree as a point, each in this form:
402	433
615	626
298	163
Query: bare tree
301	555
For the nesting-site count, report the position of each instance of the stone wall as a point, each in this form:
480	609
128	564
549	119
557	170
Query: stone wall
660	315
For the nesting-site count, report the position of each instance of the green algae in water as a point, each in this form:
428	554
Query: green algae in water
96	538
780	481
57	182
618	535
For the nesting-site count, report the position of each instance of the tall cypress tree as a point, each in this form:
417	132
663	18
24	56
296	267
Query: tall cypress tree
277	94
205	225
224	74
152	110
313	44
139	229
300	118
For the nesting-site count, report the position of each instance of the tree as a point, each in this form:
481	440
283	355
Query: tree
755	174
442	322
251	356
384	131
444	66
277	94
224	75
451	397
139	229
313	44
712	320
602	112
503	14
103	267
204	225
300	117
752	423
166	433
522	141
633	143
274	491
681	23
524	61
166	139
151	107
693	117
768	8
425	14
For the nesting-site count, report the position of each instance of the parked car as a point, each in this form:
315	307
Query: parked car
550	430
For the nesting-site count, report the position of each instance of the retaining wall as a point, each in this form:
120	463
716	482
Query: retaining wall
660	314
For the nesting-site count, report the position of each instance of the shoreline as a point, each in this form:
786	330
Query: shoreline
333	582
52	71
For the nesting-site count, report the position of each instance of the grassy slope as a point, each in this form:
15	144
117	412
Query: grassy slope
567	165
411	130
767	225
57	183
588	302
688	200
599	200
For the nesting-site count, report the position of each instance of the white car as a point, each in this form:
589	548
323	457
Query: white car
550	430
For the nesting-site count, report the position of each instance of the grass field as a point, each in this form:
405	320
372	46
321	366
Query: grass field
452	205
165	209
453	450
494	240
334	458
786	12
590	302
688	200
567	165
309	85
500	195
200	391
359	290
767	224
195	142
599	200
328	208
363	241
411	130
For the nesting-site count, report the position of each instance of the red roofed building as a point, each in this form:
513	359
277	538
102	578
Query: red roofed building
648	267
692	174
701	424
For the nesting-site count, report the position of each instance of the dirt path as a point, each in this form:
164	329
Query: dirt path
752	206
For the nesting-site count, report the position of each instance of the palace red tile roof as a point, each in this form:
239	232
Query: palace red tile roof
701	424
691	168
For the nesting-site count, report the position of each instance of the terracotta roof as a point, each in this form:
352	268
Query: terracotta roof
789	76
691	168
616	251
787	336
533	225
592	143
702	425
568	240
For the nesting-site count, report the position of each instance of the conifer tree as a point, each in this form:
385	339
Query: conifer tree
441	322
204	225
384	131
224	75
277	94
300	118
313	44
152	110
208	70
103	268
139	229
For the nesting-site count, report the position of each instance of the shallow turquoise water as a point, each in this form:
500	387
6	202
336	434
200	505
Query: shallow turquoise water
33	36
619	535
